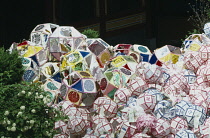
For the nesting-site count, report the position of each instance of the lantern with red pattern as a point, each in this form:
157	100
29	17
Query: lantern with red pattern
162	128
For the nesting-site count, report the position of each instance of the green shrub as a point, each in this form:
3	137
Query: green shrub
91	33
24	112
11	69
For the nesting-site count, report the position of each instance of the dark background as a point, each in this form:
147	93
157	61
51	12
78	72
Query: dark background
166	20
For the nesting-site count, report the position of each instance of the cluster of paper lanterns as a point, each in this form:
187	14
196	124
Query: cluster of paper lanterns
120	91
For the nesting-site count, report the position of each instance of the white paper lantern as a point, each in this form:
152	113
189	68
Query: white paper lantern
190	76
195	115
141	135
179	82
122	95
61	125
126	130
147	101
60	136
178	124
162	108
76	126
162	128
105	106
65	106
185	134
153	74
193	61
207	29
41	33
73	111
98	119
89	136
103	128
181	107
202	131
154	91
137	86
116	123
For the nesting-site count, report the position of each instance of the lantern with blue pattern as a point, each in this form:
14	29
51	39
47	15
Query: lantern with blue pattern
195	115
162	108
185	134
181	107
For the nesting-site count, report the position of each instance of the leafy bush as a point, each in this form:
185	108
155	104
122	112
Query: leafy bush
11	69
24	112
91	33
201	14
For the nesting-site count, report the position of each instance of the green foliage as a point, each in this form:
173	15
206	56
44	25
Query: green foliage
24	112
11	69
201	14
91	33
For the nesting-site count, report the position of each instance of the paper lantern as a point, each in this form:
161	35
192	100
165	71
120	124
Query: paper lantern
127	130
207	29
193	61
118	77
202	81
41	33
60	136
146	122
63	39
30	75
76	126
207	122
181	107
81	81
137	86
105	136
143	51
168	54
190	76
73	112
62	126
122	95
39	57
204	52
75	61
90	136
162	108
73	96
116	123
132	101
154	91
135	56
108	109
96	119
140	68
123	49
141	135
105	107
153	74
202	131
179	82
178	124
162	128
195	116
185	134
147	102
52	86
124	61
51	70
103	127
65	106
100	49
200	99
